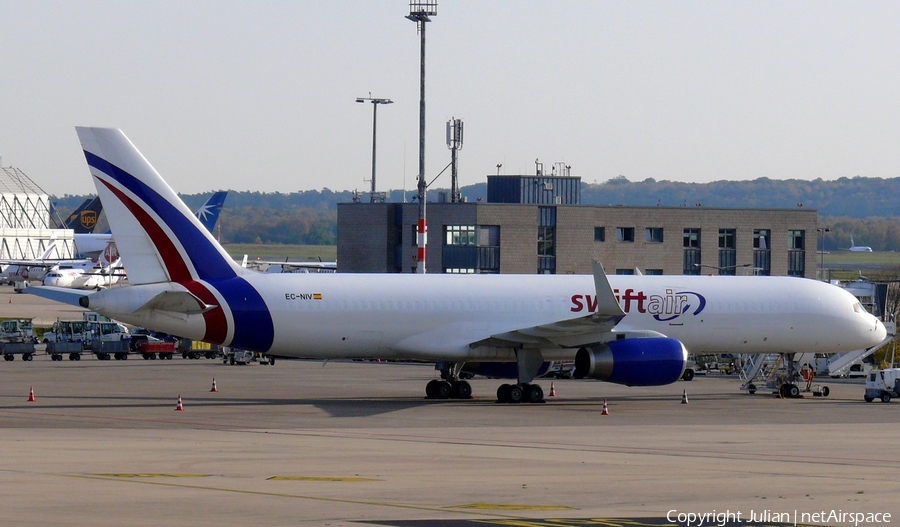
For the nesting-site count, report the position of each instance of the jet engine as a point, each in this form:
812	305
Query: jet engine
633	362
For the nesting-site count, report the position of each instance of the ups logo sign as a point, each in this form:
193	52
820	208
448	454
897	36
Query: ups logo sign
88	219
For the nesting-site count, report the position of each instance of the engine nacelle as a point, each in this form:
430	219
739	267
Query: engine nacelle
633	362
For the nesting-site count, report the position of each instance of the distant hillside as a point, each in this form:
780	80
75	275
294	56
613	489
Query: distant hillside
865	207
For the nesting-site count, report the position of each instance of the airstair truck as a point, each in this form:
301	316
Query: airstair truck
883	384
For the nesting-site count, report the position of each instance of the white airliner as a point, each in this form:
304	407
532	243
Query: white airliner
633	330
97	277
859	248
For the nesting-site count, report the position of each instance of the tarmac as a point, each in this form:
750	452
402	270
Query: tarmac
356	443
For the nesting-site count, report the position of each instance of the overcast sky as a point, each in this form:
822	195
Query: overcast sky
261	95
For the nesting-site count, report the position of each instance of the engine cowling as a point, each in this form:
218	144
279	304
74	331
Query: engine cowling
633	362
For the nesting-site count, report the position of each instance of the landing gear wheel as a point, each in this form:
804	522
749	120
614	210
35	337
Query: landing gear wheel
534	393
503	393
461	390
515	393
793	391
443	390
436	389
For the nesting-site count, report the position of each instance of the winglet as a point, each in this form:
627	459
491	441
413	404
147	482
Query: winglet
606	299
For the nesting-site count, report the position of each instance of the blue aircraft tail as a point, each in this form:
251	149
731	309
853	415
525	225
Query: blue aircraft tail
208	213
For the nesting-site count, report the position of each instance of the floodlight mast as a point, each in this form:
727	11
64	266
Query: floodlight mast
375	102
419	12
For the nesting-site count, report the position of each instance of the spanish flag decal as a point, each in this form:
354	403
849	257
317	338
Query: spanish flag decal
317	296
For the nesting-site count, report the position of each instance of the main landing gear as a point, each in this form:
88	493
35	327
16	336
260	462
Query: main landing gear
528	363
520	393
442	389
449	386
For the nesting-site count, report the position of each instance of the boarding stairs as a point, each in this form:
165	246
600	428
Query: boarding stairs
757	368
839	363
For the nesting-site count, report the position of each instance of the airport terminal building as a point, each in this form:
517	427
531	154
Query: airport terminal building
534	224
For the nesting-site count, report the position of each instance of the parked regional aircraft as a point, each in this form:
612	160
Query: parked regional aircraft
632	330
859	248
74	277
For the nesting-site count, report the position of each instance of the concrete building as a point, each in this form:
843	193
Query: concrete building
553	236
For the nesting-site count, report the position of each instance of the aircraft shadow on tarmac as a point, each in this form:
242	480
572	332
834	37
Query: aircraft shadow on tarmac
333	407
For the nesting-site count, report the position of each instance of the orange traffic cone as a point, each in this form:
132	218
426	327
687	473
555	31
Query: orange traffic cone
178	406
684	398
31	395
552	390
214	389
605	408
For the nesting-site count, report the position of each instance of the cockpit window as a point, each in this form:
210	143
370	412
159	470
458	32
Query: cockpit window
858	308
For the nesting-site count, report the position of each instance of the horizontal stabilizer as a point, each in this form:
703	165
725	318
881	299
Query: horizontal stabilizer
59	294
176	302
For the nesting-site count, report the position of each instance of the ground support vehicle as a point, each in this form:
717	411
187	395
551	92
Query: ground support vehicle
17	338
104	348
242	357
882	384
150	349
193	349
68	331
17	330
11	349
56	349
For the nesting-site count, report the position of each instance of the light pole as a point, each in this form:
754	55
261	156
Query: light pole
420	12
375	102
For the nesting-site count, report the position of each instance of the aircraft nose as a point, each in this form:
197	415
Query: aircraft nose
880	332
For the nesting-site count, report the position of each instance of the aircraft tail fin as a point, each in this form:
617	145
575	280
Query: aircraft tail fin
158	237
84	218
208	213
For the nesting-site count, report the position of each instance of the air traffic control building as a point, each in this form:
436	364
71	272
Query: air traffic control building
536	224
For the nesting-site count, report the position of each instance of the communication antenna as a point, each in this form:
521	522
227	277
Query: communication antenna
455	144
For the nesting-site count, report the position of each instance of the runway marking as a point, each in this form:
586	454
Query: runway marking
145	481
320	478
511	507
148	475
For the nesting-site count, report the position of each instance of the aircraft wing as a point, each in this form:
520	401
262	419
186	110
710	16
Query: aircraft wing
570	333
